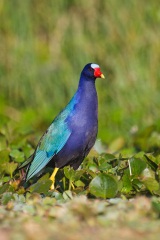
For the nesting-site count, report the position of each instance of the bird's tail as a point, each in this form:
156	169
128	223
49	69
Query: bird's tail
27	162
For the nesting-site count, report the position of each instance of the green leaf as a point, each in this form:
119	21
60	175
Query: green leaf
152	161
79	183
4	188
28	150
147	173
10	167
93	167
69	173
17	155
156	205
45	177
104	165
6	197
137	184
67	195
42	186
126	180
104	186
4	157
137	166
18	142
5	179
73	175
151	184
107	156
58	196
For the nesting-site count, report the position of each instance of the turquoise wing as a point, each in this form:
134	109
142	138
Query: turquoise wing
50	144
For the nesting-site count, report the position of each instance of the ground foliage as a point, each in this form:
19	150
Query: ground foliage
119	190
104	175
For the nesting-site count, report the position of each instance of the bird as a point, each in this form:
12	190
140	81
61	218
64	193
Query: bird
72	134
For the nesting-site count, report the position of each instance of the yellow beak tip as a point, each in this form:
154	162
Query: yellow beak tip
102	76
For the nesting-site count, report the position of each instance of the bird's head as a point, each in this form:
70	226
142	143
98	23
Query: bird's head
92	71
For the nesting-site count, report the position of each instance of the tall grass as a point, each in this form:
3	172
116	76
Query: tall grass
45	44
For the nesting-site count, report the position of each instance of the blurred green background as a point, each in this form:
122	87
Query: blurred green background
45	44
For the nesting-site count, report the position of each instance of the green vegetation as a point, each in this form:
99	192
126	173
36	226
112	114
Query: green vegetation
43	48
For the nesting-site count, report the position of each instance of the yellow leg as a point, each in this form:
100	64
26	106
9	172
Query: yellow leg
52	177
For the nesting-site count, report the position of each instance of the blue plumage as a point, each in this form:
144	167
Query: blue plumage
52	141
73	132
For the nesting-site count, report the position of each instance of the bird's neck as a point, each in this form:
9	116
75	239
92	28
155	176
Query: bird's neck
86	84
87	91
